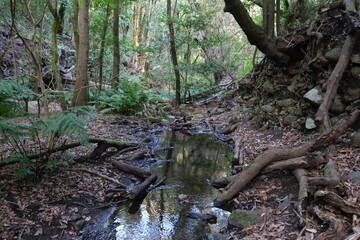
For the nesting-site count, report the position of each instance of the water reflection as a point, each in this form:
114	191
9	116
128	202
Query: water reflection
189	162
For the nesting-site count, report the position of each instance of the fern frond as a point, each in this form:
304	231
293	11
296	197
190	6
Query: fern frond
10	131
16	159
23	173
13	90
68	125
52	163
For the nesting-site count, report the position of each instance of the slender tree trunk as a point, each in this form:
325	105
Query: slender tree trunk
173	52
102	47
116	53
81	93
54	53
137	31
75	24
278	18
143	57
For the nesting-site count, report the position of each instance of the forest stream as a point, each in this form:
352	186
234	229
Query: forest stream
187	162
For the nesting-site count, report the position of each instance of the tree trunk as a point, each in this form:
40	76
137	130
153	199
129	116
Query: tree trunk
81	93
54	53
254	32
173	52
102	47
116	53
137	31
75	24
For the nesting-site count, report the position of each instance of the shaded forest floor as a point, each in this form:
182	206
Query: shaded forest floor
66	199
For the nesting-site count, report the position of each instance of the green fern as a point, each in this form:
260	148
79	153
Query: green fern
13	90
68	125
52	163
24	173
17	159
10	131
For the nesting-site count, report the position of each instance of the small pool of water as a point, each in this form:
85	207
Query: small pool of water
187	162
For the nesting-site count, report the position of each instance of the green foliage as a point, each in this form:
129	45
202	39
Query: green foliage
32	142
11	94
129	100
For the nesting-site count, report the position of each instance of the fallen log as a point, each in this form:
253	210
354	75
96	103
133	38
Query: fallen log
278	154
140	189
134	170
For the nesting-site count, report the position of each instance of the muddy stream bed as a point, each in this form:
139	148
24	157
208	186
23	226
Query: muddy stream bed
187	162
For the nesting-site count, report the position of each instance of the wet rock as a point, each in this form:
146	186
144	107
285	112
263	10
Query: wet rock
242	219
310	123
78	225
355	58
333	54
75	217
268	87
85	211
289	120
355	72
286	103
267	108
315	96
354	177
337	106
355	141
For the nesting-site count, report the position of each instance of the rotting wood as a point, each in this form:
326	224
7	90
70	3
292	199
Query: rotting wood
339	229
337	201
134	170
140	189
278	154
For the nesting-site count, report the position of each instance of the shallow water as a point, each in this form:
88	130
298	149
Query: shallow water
188	162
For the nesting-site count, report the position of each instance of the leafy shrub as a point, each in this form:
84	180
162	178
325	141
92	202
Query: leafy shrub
129	100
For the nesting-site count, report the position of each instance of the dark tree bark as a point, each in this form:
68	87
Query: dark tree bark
254	33
116	53
102	47
173	53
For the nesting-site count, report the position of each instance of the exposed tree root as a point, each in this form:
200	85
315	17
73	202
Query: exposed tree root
331	174
301	176
272	155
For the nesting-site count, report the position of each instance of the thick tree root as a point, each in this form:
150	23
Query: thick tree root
301	176
272	155
331	174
